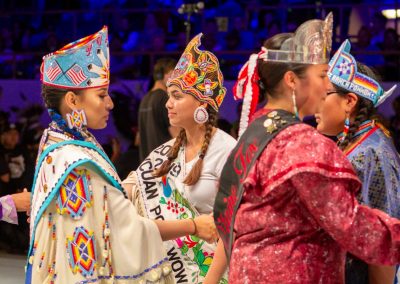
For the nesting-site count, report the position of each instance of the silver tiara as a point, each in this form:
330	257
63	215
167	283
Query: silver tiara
311	43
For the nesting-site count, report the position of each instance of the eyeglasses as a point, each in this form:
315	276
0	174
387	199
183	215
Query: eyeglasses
333	92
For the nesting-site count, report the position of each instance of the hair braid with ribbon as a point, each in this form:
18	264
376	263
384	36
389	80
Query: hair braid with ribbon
247	88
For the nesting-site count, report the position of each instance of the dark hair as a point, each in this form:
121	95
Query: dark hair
364	109
271	73
52	96
195	173
162	66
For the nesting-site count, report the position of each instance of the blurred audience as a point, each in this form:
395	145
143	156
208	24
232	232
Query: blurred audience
139	37
15	161
154	127
365	51
395	123
391	70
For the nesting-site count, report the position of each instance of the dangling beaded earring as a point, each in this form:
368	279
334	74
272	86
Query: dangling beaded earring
76	119
296	112
200	115
343	135
346	126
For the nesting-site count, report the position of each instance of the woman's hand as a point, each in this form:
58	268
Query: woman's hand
22	200
205	228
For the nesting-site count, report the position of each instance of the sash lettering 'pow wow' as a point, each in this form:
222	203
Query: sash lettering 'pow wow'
79	65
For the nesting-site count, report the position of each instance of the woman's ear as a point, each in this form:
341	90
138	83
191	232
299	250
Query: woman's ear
71	100
351	102
203	104
290	79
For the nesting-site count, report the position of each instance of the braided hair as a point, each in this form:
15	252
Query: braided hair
365	109
53	96
180	140
172	154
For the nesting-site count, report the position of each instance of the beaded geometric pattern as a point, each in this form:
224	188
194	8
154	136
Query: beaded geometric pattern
376	196
76	119
81	252
343	72
75	195
81	64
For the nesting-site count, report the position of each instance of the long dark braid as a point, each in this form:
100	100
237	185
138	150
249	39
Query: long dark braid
172	154
195	173
364	109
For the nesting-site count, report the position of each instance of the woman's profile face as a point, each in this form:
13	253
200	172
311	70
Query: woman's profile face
180	107
312	88
331	113
97	105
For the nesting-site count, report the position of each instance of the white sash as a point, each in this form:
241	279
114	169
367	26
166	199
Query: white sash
165	198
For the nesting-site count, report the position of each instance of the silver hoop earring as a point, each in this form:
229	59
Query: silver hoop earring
200	115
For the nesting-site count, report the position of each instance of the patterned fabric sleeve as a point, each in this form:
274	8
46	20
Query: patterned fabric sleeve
327	185
308	151
8	212
369	234
379	173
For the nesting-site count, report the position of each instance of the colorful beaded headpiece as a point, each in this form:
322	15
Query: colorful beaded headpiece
82	64
343	73
197	73
311	44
